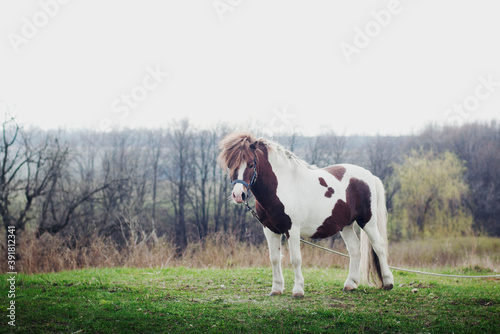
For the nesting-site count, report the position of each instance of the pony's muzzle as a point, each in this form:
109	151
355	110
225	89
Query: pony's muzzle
239	193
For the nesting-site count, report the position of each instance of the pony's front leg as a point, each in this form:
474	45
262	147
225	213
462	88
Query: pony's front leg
296	260
274	244
352	242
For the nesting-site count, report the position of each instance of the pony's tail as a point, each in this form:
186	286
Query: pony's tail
370	265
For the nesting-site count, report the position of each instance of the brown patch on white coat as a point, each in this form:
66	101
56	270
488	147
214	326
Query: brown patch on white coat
356	208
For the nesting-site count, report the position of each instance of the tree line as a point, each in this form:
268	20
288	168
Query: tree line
139	185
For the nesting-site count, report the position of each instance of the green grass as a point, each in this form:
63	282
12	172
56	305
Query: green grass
181	300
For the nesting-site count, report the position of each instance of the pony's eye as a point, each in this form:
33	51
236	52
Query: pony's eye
251	166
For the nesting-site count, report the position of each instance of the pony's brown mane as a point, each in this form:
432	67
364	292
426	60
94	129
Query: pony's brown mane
235	149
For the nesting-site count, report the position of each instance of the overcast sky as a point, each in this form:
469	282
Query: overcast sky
354	67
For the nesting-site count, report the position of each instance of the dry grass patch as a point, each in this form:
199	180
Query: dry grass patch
52	254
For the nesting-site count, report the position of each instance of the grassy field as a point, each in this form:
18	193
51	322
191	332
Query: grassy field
187	300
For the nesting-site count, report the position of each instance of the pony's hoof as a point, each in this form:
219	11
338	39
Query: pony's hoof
298	295
388	287
275	293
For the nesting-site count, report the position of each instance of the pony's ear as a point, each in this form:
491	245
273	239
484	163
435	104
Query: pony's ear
254	145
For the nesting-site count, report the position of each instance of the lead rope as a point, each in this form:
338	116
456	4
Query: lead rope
254	214
252	211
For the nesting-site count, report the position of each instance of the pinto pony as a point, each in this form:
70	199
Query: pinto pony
297	199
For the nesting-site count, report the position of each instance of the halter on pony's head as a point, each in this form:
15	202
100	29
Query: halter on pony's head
254	176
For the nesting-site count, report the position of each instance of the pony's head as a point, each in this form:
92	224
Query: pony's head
239	156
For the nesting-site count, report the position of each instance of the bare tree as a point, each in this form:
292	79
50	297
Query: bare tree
28	167
381	155
71	195
221	200
178	174
204	148
125	165
327	149
156	143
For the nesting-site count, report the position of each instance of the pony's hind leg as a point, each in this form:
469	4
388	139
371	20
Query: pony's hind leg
296	260
274	244
352	242
379	245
